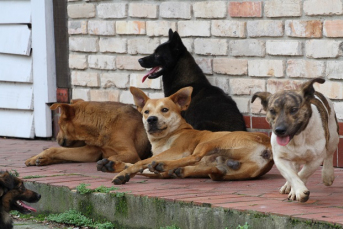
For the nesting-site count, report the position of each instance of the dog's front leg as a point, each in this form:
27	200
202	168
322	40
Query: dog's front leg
169	166
298	189
286	188
131	171
61	154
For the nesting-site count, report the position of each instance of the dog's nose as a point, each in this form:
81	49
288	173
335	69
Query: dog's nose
141	60
280	130
38	196
152	119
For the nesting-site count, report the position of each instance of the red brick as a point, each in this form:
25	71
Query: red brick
333	28
245	9
340	153
335	158
259	123
300	28
340	125
247	121
62	95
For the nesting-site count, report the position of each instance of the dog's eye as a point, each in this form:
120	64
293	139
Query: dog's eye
165	110
294	110
157	55
272	111
146	112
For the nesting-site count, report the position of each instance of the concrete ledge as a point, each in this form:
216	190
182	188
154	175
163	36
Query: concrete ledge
134	211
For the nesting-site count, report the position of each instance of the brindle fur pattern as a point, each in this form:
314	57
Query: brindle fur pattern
308	118
12	189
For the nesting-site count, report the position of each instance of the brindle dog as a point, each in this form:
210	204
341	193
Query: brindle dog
305	132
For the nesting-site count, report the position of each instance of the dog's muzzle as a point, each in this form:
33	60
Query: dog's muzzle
152	120
153	124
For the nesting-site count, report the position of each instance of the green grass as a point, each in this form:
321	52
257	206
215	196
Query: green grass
76	218
245	226
170	227
14	172
82	189
33	176
70	217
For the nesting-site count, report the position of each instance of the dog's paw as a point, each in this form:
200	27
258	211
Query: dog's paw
301	196
38	161
285	189
109	166
105	165
328	179
177	173
30	162
121	179
156	167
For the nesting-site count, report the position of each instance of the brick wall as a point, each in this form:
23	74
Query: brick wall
242	47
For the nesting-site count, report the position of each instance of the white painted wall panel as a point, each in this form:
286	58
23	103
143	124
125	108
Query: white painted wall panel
44	69
16	123
16	96
15	68
15	39
15	12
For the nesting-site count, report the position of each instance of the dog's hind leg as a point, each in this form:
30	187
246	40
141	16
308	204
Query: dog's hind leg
327	171
200	170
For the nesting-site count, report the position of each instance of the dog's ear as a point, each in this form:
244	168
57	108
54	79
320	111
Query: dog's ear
182	97
176	42
67	110
73	101
170	33
139	97
264	96
308	89
6	182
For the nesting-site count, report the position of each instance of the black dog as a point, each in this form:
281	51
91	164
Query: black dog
12	195
210	109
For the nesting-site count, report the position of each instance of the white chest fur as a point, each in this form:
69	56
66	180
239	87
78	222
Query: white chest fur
305	146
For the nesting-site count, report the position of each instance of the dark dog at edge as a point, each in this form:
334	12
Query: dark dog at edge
210	109
12	194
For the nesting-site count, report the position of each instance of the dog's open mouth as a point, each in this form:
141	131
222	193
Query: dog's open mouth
284	140
23	208
150	73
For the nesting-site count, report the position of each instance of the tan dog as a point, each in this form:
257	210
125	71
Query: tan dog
305	132
181	151
97	130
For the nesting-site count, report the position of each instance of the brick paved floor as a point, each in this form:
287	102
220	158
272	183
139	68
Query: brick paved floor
325	203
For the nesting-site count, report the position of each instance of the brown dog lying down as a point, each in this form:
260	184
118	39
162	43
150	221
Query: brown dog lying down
181	151
96	130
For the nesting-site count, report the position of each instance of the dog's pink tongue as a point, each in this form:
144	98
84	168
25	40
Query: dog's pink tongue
150	72
282	141
27	206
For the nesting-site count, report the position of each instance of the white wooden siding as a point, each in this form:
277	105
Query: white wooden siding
15	39
27	68
16	96
15	68
16	123
9	12
44	69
